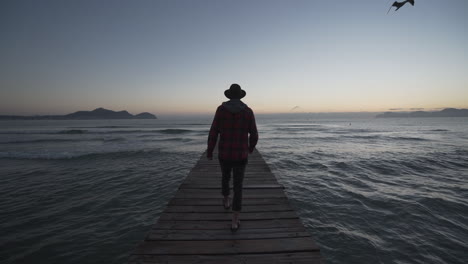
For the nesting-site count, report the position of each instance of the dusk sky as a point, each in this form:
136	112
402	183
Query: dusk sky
169	57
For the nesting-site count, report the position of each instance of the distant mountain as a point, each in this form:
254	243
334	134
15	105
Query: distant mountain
98	113
448	112
145	115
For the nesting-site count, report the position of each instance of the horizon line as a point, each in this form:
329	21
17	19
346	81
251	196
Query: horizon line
263	113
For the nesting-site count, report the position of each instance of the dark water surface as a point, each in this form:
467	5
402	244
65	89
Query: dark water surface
368	190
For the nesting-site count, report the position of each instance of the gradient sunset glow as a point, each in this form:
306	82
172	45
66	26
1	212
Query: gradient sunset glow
178	57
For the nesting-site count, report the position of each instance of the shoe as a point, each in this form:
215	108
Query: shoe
226	203
234	229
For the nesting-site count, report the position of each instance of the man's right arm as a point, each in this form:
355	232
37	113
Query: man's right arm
253	133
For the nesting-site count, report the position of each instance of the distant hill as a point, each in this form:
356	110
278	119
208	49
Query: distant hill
448	112
98	113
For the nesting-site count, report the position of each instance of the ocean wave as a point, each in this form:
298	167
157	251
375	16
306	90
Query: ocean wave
72	131
195	124
343	137
342	165
175	131
462	152
364	137
431	163
101	127
203	132
410	138
39	155
67	155
300	129
83	131
416	166
45	132
177	139
351	130
138	131
153	131
382	137
437	130
145	135
439	206
60	140
298	138
317	165
297	126
39	141
113	139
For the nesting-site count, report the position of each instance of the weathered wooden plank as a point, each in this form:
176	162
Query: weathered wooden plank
249	191
216	168
193	195
218	187
227	247
218	201
218	176
218	181
218	208
208	193
214	163
225	225
248	183
279	258
224	234
216	173
251	166
166	216
245	231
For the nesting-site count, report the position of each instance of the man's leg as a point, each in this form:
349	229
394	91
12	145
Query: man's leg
226	176
238	178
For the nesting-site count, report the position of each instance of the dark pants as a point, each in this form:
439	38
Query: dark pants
238	169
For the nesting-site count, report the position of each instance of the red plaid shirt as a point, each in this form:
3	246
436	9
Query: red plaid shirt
234	143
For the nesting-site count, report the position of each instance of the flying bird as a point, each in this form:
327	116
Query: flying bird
398	5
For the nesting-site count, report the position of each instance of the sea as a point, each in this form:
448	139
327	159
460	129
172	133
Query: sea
369	190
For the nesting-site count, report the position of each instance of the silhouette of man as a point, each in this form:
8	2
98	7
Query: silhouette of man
234	121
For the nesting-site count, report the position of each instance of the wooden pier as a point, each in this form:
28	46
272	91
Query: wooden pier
195	228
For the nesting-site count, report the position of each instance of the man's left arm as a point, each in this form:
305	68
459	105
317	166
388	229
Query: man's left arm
213	135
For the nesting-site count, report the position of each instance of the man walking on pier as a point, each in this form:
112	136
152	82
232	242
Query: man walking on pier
233	121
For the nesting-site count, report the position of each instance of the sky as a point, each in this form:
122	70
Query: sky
178	57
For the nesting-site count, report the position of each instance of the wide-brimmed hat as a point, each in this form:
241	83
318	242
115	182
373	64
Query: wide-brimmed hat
235	92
